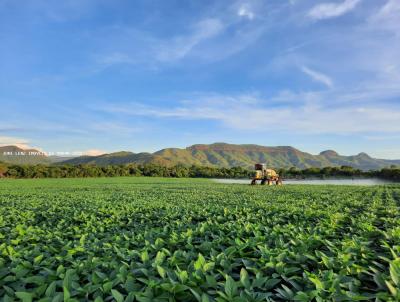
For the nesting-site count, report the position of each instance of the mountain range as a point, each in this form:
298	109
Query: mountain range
21	156
214	155
17	155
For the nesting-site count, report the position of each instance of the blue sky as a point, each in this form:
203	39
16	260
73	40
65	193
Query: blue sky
93	76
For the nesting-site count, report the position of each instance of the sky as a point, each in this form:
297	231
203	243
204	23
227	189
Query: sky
94	76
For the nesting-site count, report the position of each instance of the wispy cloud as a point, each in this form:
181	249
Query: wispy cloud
15	141
234	45
388	17
180	46
386	153
93	152
112	127
218	35
116	58
373	137
332	9
310	116
318	76
154	50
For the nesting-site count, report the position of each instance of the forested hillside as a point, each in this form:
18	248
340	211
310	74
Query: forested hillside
229	155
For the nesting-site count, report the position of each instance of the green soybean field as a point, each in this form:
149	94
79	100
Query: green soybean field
153	239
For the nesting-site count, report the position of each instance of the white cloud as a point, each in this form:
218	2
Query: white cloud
245	11
332	9
14	141
318	76
93	152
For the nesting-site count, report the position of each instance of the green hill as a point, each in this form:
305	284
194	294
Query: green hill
214	155
229	155
16	155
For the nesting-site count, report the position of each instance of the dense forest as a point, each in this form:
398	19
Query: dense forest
87	170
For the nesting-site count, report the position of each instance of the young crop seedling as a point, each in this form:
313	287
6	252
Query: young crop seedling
140	239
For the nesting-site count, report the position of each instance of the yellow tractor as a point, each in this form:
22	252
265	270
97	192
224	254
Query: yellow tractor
267	176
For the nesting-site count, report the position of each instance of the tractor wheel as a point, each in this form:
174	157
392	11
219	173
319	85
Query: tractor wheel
263	181
253	182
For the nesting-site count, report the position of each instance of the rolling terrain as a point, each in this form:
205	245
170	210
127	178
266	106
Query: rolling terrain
20	156
230	155
213	155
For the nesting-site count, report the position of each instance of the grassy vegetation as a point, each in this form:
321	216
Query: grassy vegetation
153	239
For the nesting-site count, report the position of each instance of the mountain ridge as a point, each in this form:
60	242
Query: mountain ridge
230	155
18	155
213	155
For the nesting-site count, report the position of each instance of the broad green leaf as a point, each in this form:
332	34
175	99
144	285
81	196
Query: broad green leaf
144	256
301	296
51	289
183	276
117	295
67	294
108	286
318	284
38	259
205	298
195	294
159	258
244	278
393	290
269	284
230	287
161	271
199	263
395	271
24	296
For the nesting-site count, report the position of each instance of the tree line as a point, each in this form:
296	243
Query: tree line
390	173
88	170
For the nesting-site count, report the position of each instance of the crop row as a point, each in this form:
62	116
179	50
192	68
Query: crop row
177	240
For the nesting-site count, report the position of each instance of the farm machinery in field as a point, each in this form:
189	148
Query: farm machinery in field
267	176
